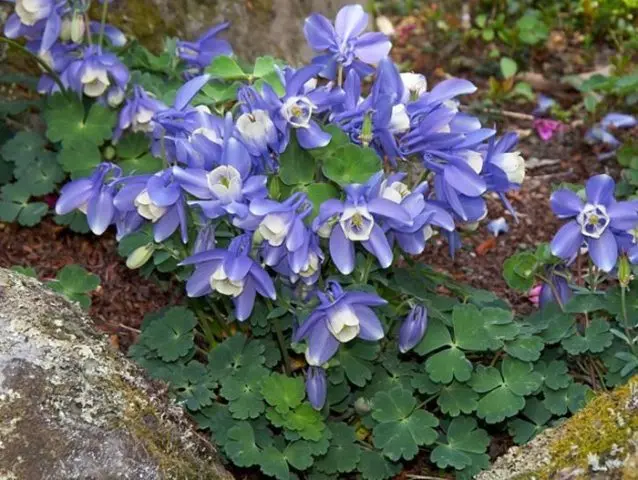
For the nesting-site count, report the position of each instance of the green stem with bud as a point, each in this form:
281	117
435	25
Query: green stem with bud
105	11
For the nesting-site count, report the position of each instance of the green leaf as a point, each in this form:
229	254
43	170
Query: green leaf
40	176
243	392
171	335
373	466
67	124
448	364
463	439
225	68
283	392
436	336
456	398
355	358
264	66
23	148
351	164
597	338
27	271
520	377
523	430
241	446
499	404
32	214
555	374
469	329
527	349
518	271
299	455
572	398
318	193
402	439
585	303
234	353
508	67
393	406
343	454
296	165
132	145
79	157
304	419
485	379
76	279
273	463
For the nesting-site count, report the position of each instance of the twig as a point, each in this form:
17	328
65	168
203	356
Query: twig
510	114
423	477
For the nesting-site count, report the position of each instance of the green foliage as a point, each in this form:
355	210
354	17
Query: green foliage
75	283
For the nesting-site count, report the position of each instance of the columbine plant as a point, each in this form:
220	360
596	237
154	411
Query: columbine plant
291	202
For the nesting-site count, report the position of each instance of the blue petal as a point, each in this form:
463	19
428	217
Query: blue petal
319	32
100	212
567	241
341	250
245	302
566	203
351	21
600	189
379	246
313	136
322	345
166	226
188	91
604	250
372	47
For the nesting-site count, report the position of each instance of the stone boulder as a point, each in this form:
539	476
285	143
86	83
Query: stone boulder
600	442
72	407
258	27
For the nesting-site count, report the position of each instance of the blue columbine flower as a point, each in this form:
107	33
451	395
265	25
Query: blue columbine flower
339	318
304	263
282	228
413	328
345	44
92	196
231	273
97	75
229	187
156	198
203	147
138	112
598	223
201	52
358	220
316	387
424	214
36	19
560	292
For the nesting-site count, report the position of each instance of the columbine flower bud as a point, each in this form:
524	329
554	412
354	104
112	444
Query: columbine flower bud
140	256
415	84
316	387
413	328
624	271
362	406
561	291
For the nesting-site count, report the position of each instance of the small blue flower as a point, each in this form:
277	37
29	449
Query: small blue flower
345	44
599	223
561	288
138	112
357	220
498	226
316	387
231	273
201	52
413	328
339	318
92	196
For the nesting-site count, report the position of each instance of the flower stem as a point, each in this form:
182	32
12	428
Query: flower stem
105	11
340	75
40	62
282	346
366	270
623	308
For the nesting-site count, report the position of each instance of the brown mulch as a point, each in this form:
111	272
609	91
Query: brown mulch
123	297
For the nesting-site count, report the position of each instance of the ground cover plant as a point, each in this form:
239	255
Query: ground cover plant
291	202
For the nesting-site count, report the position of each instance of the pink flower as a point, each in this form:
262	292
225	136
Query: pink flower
546	128
534	294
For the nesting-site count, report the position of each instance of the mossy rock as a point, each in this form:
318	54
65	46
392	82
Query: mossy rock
73	407
599	442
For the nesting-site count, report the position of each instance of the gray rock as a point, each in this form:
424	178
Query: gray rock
72	407
258	27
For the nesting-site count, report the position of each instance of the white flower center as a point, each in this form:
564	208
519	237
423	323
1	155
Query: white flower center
593	220
357	223
220	283
73	28
512	164
32	11
115	97
298	111
95	82
634	233
427	232
474	160
274	228
325	229
400	121
395	192
225	183
311	266
414	83
146	208
343	323
142	121
209	133
256	128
